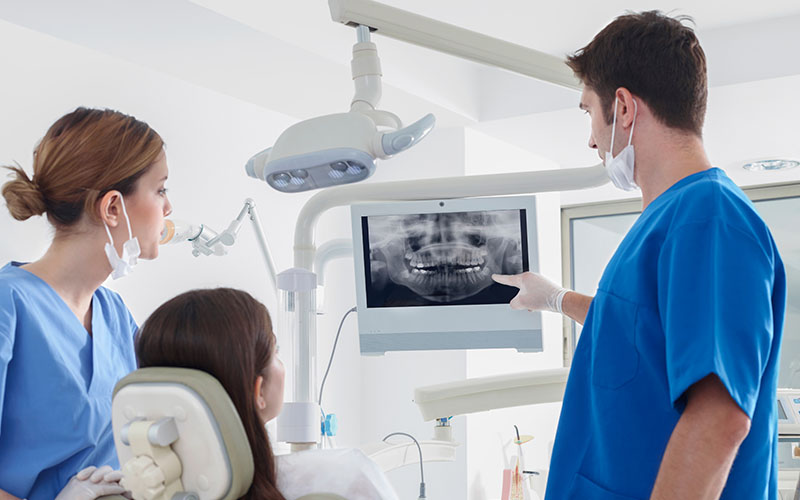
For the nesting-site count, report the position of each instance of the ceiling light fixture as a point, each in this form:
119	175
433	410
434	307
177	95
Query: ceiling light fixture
772	164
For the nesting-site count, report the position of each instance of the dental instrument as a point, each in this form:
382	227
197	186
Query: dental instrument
421	469
206	241
330	362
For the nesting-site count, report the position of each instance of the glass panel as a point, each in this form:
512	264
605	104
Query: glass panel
594	241
782	218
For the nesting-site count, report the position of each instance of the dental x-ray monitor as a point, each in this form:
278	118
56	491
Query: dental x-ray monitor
423	274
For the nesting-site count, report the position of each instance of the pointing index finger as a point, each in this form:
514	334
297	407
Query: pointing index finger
507	279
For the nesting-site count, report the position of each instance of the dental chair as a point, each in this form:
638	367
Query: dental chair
179	437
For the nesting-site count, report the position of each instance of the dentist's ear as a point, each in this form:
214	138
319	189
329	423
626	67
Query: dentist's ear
627	107
109	208
261	403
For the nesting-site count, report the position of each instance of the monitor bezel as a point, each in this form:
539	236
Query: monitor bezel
482	326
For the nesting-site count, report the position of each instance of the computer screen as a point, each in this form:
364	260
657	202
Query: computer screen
423	273
443	258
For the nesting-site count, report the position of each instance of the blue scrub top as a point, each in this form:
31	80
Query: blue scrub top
696	287
56	383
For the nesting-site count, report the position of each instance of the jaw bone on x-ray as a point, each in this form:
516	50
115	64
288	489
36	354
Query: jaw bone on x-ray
443	258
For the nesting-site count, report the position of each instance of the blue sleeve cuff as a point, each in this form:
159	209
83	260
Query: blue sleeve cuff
679	385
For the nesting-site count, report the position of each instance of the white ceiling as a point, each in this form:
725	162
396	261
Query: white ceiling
744	40
263	51
288	56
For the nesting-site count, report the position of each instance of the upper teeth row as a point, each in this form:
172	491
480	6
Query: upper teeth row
460	260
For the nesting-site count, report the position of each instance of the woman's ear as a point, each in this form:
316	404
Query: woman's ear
109	208
261	403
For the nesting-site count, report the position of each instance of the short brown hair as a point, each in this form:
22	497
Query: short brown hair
655	57
228	334
84	154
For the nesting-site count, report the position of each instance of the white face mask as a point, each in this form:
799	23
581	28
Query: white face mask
620	168
122	266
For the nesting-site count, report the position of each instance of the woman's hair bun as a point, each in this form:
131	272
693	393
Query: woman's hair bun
23	197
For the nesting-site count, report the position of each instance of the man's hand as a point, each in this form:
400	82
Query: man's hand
703	444
536	293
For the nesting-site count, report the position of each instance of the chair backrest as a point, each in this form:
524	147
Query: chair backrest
176	430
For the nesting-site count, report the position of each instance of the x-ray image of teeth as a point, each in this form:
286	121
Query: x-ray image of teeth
443	258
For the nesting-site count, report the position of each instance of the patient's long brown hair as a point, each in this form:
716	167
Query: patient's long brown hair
228	334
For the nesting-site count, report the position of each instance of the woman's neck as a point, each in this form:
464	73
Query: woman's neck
75	266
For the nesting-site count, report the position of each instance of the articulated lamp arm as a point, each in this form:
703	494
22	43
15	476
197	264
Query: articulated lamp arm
432	189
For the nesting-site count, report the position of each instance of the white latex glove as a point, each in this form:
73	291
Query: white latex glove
536	293
91	483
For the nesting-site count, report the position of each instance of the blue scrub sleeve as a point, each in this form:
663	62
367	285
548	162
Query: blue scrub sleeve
715	299
8	322
133	326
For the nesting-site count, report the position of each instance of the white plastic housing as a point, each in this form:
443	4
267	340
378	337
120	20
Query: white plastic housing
308	154
489	393
426	32
298	317
206	470
490	325
299	423
789	414
390	456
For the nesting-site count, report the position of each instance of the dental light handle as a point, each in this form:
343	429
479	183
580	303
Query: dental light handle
395	142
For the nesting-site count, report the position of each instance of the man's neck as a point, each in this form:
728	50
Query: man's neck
663	162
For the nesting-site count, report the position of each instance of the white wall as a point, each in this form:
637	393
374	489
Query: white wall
489	433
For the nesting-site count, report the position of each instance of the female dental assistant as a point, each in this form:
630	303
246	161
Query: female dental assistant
65	340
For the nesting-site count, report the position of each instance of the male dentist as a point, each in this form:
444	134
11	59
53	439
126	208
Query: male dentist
671	393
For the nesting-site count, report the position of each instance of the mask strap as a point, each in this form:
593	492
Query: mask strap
108	232
613	127
128	220
635	112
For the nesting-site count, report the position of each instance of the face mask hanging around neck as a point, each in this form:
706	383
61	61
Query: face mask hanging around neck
620	168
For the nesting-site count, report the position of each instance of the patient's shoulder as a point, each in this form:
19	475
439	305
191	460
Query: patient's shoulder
346	472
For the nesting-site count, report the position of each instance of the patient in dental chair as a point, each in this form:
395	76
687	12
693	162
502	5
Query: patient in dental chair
228	334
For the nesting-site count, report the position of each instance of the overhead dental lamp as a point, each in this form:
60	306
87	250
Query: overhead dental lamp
341	148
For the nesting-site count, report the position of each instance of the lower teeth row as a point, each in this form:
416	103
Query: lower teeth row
457	271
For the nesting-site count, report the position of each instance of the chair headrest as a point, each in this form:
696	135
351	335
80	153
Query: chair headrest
212	446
